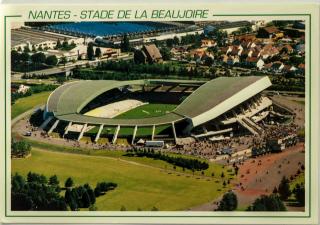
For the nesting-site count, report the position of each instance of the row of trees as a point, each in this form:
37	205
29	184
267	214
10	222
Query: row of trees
65	46
36	193
39	193
102	71
80	197
285	191
191	164
267	203
84	196
20	149
91	53
22	62
229	202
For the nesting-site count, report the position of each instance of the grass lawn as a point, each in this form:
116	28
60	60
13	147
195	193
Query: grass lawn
298	180
140	185
149	110
24	104
213	167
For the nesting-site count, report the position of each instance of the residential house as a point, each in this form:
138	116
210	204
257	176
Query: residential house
301	68
207	43
152	53
269	32
268	51
260	64
277	66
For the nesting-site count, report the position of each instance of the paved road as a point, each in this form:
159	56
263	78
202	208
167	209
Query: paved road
66	68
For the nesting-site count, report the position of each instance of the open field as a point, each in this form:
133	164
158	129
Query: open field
149	110
214	168
140	185
24	104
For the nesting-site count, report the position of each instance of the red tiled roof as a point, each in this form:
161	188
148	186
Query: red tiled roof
301	66
271	29
252	59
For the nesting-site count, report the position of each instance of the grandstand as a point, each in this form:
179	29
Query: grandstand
222	106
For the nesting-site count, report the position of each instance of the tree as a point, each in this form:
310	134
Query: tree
267	203
139	57
69	182
63	60
52	60
53	180
208	61
224	183
90	51
25	57
229	202
15	57
98	53
70	199
65	44
275	190
169	43
97	191
166	54
284	189
125	44
154	208
35	194
61	79
58	46
299	193
20	148
38	58
26	49
85	199
176	40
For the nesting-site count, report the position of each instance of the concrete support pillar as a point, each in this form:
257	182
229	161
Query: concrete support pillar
134	134
115	136
46	122
153	131
174	132
53	126
248	106
234	113
99	133
82	131
67	129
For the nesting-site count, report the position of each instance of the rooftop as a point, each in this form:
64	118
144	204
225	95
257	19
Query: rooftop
24	35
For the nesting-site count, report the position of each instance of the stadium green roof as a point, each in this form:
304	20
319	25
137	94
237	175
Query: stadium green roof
213	93
68	100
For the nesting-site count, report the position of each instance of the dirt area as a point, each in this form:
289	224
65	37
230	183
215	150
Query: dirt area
260	175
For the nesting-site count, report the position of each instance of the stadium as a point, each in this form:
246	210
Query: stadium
169	110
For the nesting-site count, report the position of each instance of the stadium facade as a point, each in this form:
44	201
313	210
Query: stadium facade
205	109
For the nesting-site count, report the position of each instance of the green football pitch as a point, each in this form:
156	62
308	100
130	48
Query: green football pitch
146	111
